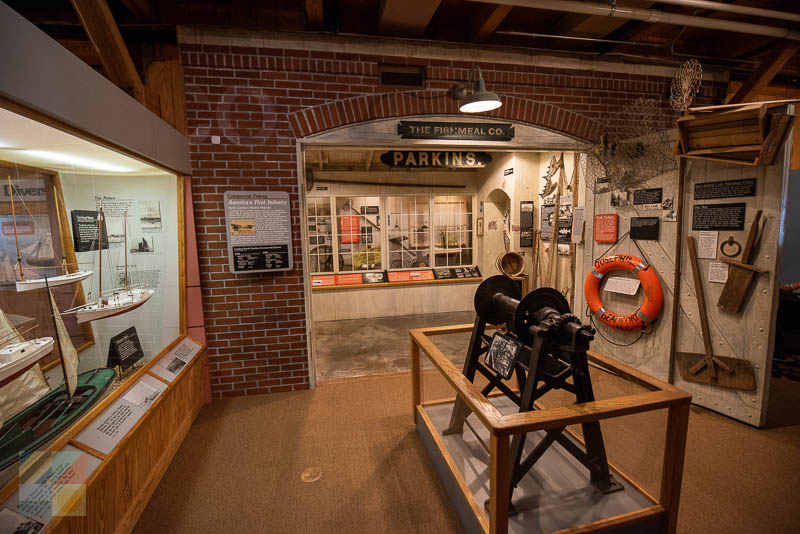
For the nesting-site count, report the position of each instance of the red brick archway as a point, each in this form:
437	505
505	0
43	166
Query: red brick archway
364	108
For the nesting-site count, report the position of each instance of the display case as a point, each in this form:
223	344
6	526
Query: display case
94	356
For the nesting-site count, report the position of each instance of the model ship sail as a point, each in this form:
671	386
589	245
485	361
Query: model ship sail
40	415
40	254
8	333
69	356
119	300
23	391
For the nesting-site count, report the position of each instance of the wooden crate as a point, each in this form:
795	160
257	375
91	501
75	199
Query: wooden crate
747	136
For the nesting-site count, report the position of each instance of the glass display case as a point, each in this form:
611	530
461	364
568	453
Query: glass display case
102	233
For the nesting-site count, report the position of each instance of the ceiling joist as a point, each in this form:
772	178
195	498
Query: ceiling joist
487	20
764	73
99	24
314	15
407	18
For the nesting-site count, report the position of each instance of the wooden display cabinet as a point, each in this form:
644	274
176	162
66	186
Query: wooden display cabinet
658	515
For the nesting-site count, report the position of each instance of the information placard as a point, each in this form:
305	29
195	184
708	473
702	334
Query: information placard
605	228
718	216
648	197
645	228
725	189
125	349
259	228
84	230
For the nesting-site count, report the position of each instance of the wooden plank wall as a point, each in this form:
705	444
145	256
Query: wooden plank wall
119	490
651	353
746	335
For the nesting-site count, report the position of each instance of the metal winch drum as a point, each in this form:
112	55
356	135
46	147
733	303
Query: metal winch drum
498	301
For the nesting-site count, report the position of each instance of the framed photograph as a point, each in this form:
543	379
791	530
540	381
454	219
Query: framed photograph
502	355
479	225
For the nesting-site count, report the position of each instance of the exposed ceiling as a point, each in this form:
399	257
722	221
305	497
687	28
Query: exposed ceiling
148	27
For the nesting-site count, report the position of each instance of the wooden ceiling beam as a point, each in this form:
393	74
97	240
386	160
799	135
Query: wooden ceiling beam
314	14
487	19
407	18
142	10
99	24
764	73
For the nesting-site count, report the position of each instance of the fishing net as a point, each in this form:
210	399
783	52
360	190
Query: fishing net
685	85
637	151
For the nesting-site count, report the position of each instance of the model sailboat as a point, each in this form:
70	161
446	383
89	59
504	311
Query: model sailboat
119	300
41	254
16	353
54	411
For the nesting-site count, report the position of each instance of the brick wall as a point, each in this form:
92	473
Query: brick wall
259	101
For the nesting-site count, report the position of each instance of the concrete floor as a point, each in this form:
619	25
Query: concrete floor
360	347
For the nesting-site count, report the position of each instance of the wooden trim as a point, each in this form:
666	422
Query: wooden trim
182	252
158	377
604	525
477	509
586	412
393	284
480	405
416	379
499	483
87	449
672	467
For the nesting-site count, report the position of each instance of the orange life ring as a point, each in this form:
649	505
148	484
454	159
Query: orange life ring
653	297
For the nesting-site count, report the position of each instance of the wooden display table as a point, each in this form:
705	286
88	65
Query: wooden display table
465	475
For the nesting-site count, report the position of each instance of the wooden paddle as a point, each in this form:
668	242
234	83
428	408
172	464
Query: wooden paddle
738	373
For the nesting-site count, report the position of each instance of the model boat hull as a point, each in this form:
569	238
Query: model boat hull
48	417
40	283
116	304
19	356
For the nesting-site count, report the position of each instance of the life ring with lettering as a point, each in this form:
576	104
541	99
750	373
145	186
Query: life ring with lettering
650	309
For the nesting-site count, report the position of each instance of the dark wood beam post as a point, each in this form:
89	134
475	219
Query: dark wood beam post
487	20
314	14
103	31
764	73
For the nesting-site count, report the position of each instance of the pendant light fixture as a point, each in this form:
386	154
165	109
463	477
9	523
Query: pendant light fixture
480	100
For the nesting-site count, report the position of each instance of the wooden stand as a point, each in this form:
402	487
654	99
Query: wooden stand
501	428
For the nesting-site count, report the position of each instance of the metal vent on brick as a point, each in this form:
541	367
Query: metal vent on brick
402	75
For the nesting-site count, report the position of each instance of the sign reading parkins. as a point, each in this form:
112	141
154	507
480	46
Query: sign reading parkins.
472	131
436	159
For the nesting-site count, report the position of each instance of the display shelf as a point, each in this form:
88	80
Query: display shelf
395	284
637	510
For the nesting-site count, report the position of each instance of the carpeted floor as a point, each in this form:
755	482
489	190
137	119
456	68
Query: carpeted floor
239	468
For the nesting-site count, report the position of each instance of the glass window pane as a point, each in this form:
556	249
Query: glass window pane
319	234
452	230
359	233
409	231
